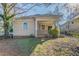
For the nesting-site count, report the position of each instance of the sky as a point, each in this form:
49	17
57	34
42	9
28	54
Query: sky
68	11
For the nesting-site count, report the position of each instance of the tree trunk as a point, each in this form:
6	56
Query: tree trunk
6	32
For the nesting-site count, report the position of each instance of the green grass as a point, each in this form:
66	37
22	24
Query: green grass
60	46
28	45
74	34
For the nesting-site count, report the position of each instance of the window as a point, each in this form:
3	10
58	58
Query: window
25	26
43	27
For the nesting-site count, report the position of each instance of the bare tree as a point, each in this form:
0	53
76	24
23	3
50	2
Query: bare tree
9	12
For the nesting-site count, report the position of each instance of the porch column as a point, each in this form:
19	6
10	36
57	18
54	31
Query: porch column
36	28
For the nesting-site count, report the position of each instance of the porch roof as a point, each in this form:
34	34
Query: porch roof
37	15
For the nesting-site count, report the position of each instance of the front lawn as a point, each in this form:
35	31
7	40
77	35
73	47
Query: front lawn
27	46
60	46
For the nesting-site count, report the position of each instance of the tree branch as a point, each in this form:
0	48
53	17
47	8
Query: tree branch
11	7
26	10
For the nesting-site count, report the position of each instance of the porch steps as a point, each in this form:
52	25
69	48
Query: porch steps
42	35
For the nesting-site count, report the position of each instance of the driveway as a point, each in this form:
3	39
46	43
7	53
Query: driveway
8	47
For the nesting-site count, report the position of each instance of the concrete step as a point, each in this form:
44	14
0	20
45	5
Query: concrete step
41	35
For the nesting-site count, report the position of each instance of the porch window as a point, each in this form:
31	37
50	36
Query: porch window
25	26
43	27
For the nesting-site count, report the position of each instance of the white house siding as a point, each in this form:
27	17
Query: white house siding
20	31
75	26
71	26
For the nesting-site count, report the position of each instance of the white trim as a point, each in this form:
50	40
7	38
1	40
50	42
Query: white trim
36	28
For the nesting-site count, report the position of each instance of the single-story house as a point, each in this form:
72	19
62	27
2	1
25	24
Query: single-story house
34	25
72	25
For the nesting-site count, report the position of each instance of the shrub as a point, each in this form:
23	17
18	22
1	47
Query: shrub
53	32
74	34
11	30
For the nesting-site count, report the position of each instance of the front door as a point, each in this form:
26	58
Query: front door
43	28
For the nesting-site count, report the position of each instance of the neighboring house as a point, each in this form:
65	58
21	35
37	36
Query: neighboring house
34	25
72	25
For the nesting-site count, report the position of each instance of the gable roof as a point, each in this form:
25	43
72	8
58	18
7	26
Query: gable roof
75	18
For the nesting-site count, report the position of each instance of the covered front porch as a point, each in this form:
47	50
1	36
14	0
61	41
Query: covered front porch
43	24
43	27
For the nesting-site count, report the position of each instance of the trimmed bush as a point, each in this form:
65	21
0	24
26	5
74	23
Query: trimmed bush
53	32
11	30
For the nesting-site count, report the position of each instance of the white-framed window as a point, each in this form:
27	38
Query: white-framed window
25	26
43	27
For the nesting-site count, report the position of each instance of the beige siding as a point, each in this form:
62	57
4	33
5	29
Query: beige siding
72	27
32	25
20	31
